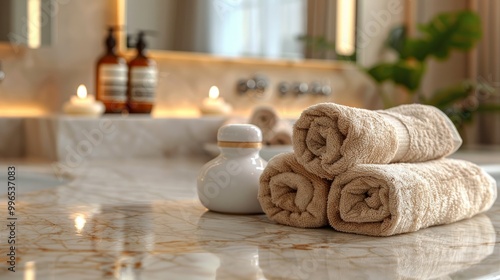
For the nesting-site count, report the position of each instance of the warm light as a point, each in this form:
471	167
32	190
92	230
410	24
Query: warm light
29	271
121	12
25	110
346	17
34	23
80	222
81	92
187	112
213	92
83	104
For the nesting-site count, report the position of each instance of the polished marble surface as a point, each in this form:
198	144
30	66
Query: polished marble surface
140	219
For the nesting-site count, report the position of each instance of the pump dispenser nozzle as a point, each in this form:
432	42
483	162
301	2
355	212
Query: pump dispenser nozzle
111	40
141	43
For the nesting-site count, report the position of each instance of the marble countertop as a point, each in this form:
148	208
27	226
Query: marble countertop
141	219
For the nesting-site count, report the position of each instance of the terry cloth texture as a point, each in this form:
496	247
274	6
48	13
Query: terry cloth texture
292	196
275	131
389	199
329	138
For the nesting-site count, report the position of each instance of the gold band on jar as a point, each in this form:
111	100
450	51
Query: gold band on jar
226	144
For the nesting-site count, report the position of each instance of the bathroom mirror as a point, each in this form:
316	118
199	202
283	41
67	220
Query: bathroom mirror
27	22
288	29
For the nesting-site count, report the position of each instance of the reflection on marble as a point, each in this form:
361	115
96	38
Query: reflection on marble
138	219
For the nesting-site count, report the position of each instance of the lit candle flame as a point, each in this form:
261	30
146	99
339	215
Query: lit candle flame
213	93
80	222
81	92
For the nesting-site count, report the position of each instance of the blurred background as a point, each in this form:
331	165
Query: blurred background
286	53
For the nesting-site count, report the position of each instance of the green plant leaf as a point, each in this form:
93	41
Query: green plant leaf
408	73
446	31
351	57
447	96
489	108
381	72
415	48
318	42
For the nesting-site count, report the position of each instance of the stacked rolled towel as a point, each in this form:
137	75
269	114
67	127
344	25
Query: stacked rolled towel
329	138
292	196
388	199
275	131
387	171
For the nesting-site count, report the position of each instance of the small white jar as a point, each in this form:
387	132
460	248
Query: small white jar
230	182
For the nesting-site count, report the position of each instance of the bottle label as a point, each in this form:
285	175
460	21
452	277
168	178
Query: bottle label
113	82
143	82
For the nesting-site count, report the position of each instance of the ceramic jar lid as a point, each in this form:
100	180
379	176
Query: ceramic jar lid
242	133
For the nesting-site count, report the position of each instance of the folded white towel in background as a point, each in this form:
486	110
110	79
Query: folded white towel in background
275	131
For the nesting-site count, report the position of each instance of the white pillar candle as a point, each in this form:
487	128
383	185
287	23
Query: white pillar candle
215	105
83	104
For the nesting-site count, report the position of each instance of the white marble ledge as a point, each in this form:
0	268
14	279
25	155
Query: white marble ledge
140	219
112	136
74	138
12	137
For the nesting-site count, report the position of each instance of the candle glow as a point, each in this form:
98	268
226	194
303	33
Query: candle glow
81	92
83	104
213	93
213	104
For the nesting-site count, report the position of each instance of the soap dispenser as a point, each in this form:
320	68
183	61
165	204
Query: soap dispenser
111	77
143	75
230	182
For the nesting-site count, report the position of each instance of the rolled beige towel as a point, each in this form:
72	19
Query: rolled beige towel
290	195
329	138
265	118
275	131
281	134
389	199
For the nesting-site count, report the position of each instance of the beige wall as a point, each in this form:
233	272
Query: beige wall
485	63
442	73
377	19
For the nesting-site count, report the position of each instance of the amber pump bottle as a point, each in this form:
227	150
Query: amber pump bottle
112	77
142	79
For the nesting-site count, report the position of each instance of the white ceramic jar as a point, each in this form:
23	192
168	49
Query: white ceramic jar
230	182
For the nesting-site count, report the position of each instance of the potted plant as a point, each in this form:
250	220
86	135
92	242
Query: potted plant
446	32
